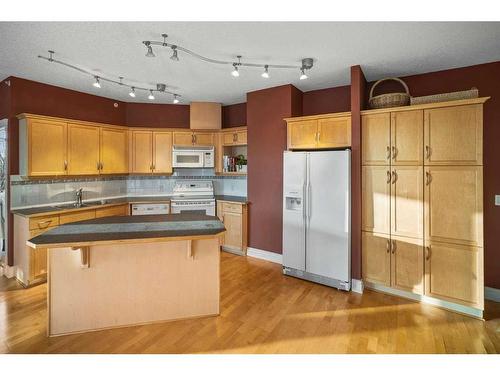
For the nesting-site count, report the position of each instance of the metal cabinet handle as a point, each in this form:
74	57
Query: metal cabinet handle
388	246
65	165
428	177
394	177
41	224
235	137
393	247
388	177
102	166
394	152
388	152
98	166
428	251
319	136
427	152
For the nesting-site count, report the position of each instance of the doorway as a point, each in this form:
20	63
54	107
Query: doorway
4	210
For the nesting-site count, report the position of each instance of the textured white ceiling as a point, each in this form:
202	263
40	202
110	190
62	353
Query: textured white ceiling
114	48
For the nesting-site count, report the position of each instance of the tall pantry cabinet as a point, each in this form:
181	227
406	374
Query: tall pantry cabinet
422	200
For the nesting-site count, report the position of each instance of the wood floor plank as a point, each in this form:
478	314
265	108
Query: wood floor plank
263	311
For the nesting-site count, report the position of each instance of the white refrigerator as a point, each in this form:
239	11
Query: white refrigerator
316	217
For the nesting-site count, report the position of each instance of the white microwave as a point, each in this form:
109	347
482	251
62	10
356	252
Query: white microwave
193	157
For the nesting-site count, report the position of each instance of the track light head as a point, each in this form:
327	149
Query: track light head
132	92
176	99
174	56
97	83
151	96
235	72
150	52
266	72
303	74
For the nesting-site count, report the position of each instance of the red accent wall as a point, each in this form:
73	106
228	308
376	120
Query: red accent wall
157	115
334	99
234	115
486	78
5	95
266	110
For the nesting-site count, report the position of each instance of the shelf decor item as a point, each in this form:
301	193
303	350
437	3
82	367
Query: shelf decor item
241	162
457	95
395	99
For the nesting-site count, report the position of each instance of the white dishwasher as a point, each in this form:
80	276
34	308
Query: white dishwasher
150	209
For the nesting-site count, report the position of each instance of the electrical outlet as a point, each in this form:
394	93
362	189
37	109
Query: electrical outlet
497	200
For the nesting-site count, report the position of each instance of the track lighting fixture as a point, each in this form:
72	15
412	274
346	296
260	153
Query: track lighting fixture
150	52
174	54
307	63
303	75
266	72
176	100
97	83
151	96
132	92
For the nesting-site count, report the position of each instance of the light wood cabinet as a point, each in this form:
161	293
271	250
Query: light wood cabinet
407	196
43	147
183	138
114	151
162	152
234	138
376	199
203	139
71	217
83	149
407	268
376	139
454	273
142	151
376	258
193	139
454	204
407	132
234	217
121	210
319	132
454	135
205	115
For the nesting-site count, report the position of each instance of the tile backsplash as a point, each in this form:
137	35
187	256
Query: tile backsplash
43	192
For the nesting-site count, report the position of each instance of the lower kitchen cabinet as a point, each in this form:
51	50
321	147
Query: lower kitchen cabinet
376	258
234	217
122	210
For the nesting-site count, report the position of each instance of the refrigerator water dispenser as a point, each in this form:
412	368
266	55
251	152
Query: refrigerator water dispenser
293	204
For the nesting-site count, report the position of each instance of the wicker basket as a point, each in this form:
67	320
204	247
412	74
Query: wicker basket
395	99
457	95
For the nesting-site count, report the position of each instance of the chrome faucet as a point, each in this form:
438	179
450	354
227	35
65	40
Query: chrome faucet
79	193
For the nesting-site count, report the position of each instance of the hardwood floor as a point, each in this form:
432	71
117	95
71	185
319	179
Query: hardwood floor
263	311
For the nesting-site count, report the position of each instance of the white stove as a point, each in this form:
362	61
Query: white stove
192	195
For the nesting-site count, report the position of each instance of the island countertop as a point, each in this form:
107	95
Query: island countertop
130	229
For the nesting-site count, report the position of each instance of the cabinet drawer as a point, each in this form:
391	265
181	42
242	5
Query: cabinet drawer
76	216
44	222
112	211
232	207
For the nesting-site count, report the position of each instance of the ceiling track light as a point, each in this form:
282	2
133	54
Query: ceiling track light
176	100
266	72
160	87
307	63
303	74
97	83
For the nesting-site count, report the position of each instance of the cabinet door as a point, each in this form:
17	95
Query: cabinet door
454	273
454	135
302	134
334	132
142	151
241	137
83	149
376	258
38	263
122	210
47	144
407	201
114	151
71	217
204	139
183	138
375	139
407	137
220	215
376	199
453	208
233	223
407	264
162	152
228	139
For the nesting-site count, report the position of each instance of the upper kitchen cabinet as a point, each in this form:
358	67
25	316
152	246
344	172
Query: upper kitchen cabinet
151	152
114	151
205	116
183	138
42	146
319	132
376	139
83	149
454	135
407	132
234	137
193	139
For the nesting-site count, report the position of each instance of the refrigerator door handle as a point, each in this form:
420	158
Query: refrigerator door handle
309	200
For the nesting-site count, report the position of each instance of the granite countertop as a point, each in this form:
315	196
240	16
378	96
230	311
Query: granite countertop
123	228
231	198
57	208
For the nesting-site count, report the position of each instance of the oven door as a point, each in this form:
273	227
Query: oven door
187	159
207	208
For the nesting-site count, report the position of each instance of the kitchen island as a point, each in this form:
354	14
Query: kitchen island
130	270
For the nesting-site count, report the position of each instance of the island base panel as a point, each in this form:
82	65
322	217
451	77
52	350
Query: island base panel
130	284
